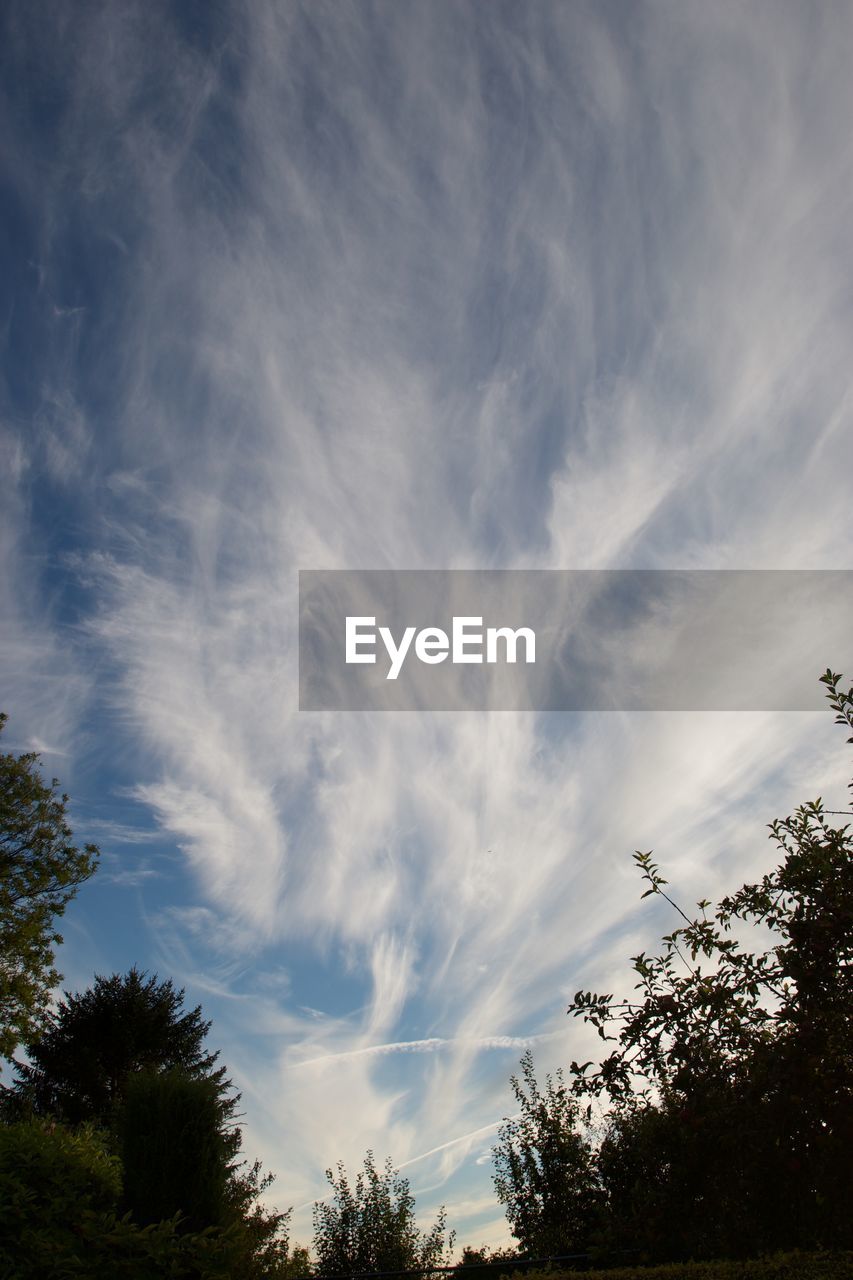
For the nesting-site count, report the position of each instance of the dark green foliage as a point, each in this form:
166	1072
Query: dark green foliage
59	1192
53	1172
176	1149
126	1055
678	1180
782	1266
731	1076
94	1042
298	1265
779	1266
484	1264
371	1226
545	1169
263	1248
41	869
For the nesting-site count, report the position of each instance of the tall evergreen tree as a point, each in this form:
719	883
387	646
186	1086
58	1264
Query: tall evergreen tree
126	1055
176	1149
95	1041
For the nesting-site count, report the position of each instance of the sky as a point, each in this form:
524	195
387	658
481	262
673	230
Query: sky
404	285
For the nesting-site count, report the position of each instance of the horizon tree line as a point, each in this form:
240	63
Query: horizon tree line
717	1123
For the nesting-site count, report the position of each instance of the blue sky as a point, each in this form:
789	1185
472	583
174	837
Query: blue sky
404	285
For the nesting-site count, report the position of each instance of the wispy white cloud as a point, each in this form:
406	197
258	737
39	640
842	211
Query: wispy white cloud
431	1045
45	684
443	286
129	877
108	829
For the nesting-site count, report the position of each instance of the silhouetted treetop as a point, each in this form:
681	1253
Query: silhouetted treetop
94	1041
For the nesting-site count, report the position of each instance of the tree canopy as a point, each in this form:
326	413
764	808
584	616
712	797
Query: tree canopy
176	1149
545	1168
730	1079
127	1057
60	1215
371	1226
719	1120
94	1041
41	870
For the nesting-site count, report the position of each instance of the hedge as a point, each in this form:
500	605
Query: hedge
782	1266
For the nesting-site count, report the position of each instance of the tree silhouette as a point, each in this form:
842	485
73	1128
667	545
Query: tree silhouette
371	1226
95	1041
731	1075
545	1168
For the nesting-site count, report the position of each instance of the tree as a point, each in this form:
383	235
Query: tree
545	1168
298	1265
127	1056
176	1149
41	870
180	1153
487	1261
371	1226
264	1251
731	1076
93	1043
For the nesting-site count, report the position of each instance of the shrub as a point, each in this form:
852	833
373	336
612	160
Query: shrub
58	1194
787	1266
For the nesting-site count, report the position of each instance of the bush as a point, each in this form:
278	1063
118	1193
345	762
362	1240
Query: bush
50	1174
58	1194
787	1266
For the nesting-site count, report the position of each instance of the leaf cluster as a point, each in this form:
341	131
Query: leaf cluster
59	1214
41	869
544	1167
370	1226
729	1072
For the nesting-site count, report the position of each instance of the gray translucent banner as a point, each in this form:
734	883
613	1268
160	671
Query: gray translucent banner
604	640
